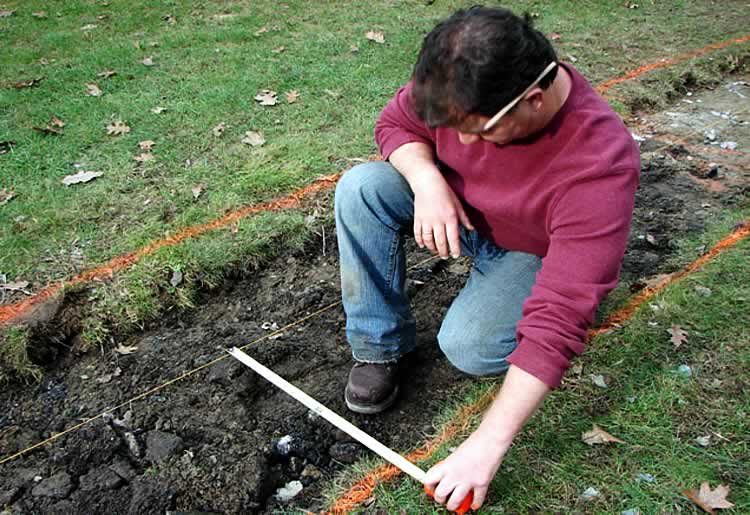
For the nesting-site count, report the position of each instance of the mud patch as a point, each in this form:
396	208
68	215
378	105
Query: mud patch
223	440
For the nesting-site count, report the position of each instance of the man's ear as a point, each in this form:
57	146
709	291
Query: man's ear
535	97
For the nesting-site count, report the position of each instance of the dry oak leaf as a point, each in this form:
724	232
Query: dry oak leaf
16	286
266	97
219	129
597	435
54	126
261	30
678	335
158	109
80	177
377	37
278	49
197	190
354	49
41	15
292	96
253	138
6	146
117	128
90	26
148	61
56	122
93	90
106	74
170	19
6	14
125	349
146	145
6	196
709	500
30	83
143	157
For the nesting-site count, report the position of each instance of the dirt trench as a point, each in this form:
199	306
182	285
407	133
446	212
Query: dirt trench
223	440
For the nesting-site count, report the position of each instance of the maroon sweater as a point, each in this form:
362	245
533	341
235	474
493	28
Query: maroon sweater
565	194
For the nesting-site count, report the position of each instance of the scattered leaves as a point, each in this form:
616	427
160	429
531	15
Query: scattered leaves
117	128
597	435
90	26
16	286
354	49
6	146
709	500
6	14
377	37
253	138
80	177
261	30
198	190
29	83
554	36
292	96
631	5
219	129
54	126
6	196
678	335
170	19
125	349
266	97
143	157
146	145
106	74
93	90
158	109
148	61
40	15
278	49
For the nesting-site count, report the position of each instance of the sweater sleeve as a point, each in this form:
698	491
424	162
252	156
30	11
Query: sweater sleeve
398	124
589	228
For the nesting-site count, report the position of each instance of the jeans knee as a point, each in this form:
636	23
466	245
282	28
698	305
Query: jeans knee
475	356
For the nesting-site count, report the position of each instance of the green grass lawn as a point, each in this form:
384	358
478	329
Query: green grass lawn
658	412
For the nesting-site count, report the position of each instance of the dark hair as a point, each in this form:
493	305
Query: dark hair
477	61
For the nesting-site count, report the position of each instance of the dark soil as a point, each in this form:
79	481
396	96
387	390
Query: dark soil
211	442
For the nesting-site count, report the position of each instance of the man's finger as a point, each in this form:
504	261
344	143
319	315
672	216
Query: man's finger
454	240
464	219
418	235
441	242
428	237
434	475
480	494
458	495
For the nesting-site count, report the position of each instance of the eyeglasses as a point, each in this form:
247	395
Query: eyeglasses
493	121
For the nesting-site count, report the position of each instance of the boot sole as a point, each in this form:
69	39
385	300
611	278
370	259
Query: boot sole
371	409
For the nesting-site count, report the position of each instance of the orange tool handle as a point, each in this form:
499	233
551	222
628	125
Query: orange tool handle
465	504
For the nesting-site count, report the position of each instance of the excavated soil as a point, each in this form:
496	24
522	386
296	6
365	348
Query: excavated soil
223	440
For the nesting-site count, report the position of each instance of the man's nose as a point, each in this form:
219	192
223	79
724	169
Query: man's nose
467	138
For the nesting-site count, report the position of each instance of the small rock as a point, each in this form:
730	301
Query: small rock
345	452
133	446
703	441
702	290
684	371
645	478
710	135
123	469
284	445
58	486
150	496
102	478
633	511
289	491
161	445
312	472
598	380
728	145
590	493
295	464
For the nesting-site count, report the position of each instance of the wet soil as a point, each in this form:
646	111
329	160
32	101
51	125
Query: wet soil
223	440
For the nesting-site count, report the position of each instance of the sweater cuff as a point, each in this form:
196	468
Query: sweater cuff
538	362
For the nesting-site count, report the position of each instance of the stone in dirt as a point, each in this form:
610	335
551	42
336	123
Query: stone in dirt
345	452
289	491
133	446
312	472
101	478
123	469
151	496
161	445
58	486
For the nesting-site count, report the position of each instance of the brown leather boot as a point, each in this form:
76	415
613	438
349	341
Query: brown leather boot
372	387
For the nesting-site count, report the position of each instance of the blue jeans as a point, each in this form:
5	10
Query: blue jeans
374	212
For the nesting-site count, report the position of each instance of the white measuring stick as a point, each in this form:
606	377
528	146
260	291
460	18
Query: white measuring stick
338	421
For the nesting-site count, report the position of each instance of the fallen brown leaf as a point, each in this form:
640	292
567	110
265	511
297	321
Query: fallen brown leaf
146	145
43	61
6	14
93	90
117	128
148	61
261	30
253	138
125	349
354	49
597	435
90	26
219	129
48	130
158	109
143	157
266	97
678	335
16	286
6	196
709	500
292	96
170	19
554	36
56	122
278	49
80	177
377	37
40	15
198	190
29	83
106	74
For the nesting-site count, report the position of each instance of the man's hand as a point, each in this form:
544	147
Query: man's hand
471	467
437	215
437	210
